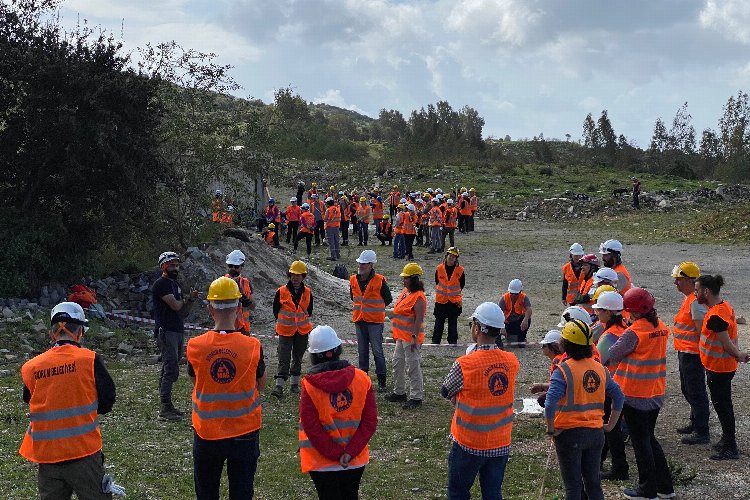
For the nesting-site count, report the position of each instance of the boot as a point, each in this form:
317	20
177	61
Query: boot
169	413
382	387
696	438
278	391
294	389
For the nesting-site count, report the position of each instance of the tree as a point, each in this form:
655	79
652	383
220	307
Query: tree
608	137
471	125
290	106
591	136
681	136
734	135
710	151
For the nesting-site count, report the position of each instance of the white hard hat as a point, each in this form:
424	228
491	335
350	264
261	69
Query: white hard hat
551	337
329	199
403	200
367	257
168	257
314	196
235	258
219	192
322	338
605	273
489	314
515	286
438	196
574	312
610	246
293	199
611	301
306	206
411	207
450	201
69	312
576	249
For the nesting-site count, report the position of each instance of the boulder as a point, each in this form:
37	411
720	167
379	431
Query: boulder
8	313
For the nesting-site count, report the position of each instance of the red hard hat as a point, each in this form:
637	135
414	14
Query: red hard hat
638	300
590	259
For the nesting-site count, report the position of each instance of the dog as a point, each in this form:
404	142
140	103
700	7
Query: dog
620	191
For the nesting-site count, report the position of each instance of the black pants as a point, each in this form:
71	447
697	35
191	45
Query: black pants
614	442
578	452
451	312
653	471
170	345
636	201
339	484
461	223
384	238
291	349
345	231
392	210
409	245
449	232
320	233
470	223
720	387
693	385
514	328
308	240
291	230
241	455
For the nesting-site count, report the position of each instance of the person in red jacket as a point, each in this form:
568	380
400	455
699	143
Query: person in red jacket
338	416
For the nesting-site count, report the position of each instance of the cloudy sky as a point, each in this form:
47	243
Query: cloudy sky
527	66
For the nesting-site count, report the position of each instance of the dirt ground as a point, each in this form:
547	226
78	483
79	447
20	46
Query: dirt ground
534	251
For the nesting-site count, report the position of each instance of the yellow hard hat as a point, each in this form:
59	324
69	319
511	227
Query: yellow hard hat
298	267
313	184
577	332
362	198
472	190
332	188
686	269
411	269
344	199
386	216
223	289
395	186
400	205
272	226
604	288
453	251
463	189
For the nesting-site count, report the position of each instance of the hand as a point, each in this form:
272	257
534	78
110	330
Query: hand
525	324
743	357
609	425
565	304
344	460
537	388
193	293
553	432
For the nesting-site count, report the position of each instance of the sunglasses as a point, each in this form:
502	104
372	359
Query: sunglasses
232	266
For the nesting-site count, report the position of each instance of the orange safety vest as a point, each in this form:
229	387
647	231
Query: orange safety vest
448	290
311	192
63	406
345	216
363	213
483	418
386	227
216	209
642	374
582	405
464	207
273	215
404	316
451	218
377	209
333	217
394	198
436	217
269	237
574	281
685	336
226	218
555	361
473	203
399	227
293	213
246	289
340	415
620	268
226	401
608	339
585	287
307	222
408	226
510	306
369	306
293	318
712	352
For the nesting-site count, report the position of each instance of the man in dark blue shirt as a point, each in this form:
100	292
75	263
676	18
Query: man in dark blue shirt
169	310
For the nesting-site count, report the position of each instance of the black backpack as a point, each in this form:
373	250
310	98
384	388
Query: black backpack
341	272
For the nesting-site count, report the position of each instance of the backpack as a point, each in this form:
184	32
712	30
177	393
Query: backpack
341	272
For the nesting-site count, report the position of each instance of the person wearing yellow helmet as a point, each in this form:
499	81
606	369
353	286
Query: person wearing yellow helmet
688	324
364	217
449	282
270	236
407	318
228	372
393	200
574	411
292	308
385	230
473	206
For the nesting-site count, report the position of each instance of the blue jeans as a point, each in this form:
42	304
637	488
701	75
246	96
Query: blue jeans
463	468
579	454
241	455
370	335
399	245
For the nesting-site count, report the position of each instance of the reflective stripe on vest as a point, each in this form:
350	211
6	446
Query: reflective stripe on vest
333	217
225	397
621	269
404	317
642	374
293	318
583	402
686	336
63	405
574	282
712	353
369	307
448	290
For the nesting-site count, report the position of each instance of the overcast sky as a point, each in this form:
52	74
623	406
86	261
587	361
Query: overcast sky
527	66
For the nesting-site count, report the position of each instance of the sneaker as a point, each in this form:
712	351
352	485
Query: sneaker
635	494
696	438
294	389
727	453
396	398
666	495
277	391
411	404
688	429
719	445
615	476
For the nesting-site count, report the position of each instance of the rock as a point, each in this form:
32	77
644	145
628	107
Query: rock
10	357
570	210
5	373
663	203
8	313
39	327
106	334
44	302
193	253
28	315
4	351
741	320
125	348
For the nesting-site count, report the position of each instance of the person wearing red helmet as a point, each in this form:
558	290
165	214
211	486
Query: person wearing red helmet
589	265
641	357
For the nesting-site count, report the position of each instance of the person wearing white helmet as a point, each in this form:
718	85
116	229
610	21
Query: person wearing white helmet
602	277
338	416
343	203
611	252
572	276
517	308
67	380
170	307
399	238
473	205
235	262
293	213
306	229
410	229
481	386
436	226
272	213
551	349
370	295
451	223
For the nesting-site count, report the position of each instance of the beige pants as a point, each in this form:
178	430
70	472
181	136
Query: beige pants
407	362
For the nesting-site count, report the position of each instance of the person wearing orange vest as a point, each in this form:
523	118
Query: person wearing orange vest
575	408
393	200
235	261
385	231
451	223
292	308
66	388
364	216
481	387
370	295
293	213
216	205
228	372
270	237
306	229
332	223
377	212
641	357
611	252
552	350
572	275
589	266
343	202
608	308
407	317
719	354
450	280
399	238
410	229
318	211
517	308
473	206
686	333
436	225
312	191
337	417
464	211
